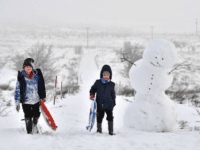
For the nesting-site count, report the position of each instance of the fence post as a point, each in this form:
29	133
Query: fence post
119	87
61	90
55	91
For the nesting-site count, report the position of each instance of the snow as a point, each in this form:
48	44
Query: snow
150	75
7	75
152	109
148	81
159	55
71	115
151	112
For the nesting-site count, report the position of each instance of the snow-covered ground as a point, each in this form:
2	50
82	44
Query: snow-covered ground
71	116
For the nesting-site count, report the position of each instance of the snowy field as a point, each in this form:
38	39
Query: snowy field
71	40
71	116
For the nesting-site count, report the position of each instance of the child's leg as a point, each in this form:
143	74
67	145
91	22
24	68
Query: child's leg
28	113
28	117
100	115
110	121
36	110
36	115
109	115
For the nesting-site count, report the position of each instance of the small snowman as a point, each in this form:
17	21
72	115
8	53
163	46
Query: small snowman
152	109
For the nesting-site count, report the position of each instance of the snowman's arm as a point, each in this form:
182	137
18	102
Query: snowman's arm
93	88
113	94
125	59
180	66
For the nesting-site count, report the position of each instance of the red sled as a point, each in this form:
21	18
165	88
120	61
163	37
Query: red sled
47	116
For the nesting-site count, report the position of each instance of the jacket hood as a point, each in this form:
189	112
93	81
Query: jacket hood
106	68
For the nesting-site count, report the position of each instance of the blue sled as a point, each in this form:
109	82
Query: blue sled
92	115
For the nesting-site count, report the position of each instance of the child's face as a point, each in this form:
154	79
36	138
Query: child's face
106	76
28	69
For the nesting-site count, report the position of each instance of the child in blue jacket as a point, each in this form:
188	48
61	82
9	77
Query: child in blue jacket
30	89
105	98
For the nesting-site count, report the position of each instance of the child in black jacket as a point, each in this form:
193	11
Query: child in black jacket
105	98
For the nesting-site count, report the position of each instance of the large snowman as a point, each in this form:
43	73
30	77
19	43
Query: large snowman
152	110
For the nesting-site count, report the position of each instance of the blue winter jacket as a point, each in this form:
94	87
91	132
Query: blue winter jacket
104	90
30	91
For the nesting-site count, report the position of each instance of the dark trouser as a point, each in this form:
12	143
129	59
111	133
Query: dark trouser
31	110
100	115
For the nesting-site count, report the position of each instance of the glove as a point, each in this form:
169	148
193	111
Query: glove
91	96
17	108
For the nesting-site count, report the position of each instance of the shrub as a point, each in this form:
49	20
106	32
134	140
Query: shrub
183	124
126	91
78	50
180	96
4	106
196	128
179	44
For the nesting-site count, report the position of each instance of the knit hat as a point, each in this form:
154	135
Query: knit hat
28	62
106	72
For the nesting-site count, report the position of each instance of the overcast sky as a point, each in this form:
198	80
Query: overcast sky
162	13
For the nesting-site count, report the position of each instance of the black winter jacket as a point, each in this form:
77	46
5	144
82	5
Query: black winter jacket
105	93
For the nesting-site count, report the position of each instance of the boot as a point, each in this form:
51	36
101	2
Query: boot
28	122
110	128
35	128
99	127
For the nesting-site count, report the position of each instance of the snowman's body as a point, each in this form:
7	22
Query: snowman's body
152	109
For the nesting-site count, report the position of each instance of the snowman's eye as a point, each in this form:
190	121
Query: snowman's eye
156	57
162	58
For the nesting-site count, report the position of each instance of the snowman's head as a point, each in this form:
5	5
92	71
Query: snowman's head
159	55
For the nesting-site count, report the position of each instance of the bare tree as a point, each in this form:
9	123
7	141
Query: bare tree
130	53
18	60
179	44
45	60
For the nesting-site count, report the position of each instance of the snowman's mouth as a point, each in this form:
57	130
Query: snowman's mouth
156	65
